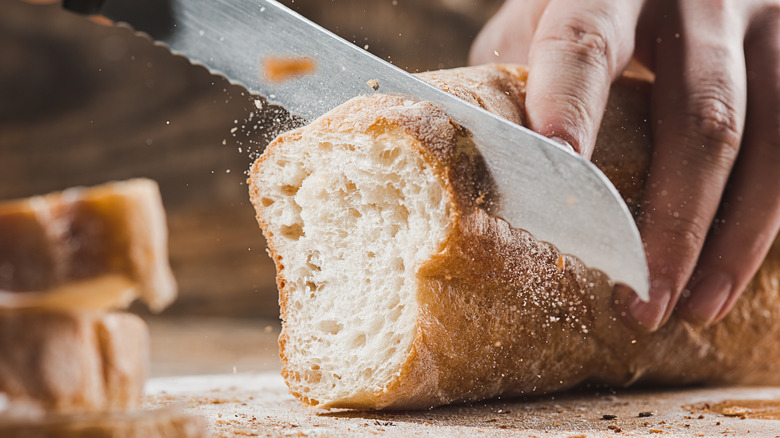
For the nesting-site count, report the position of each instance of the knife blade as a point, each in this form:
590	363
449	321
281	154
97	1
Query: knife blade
544	188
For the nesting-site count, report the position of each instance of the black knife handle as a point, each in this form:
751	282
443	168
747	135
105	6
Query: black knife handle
87	7
153	17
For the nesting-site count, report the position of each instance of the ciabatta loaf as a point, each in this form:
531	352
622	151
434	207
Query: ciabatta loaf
398	289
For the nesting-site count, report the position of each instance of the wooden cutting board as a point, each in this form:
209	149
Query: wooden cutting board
258	404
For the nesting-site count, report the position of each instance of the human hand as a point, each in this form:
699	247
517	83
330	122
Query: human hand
712	199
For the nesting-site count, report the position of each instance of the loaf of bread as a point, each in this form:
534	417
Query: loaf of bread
399	290
87	248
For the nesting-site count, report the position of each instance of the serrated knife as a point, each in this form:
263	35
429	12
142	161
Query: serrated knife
553	193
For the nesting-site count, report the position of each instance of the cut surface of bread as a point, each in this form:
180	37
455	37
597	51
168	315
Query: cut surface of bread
69	362
86	248
399	290
357	211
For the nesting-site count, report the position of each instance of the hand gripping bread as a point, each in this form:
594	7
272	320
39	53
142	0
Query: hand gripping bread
399	290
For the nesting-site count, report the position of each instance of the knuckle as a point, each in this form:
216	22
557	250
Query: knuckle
714	120
679	236
684	233
588	38
591	40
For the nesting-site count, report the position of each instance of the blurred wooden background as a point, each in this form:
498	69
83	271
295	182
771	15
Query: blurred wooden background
82	104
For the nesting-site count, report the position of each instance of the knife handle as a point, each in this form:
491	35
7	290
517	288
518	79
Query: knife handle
152	17
87	7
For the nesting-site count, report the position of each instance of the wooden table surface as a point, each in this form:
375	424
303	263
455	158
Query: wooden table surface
182	346
228	371
251	404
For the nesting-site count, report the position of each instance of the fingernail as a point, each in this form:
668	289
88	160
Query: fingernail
651	314
708	297
563	143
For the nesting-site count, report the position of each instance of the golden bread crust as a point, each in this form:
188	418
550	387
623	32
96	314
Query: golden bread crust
504	314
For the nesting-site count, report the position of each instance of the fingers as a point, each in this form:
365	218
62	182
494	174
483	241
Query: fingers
750	214
507	36
577	50
699	103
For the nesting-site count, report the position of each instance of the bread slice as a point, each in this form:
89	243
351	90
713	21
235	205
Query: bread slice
86	248
69	366
399	290
69	362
